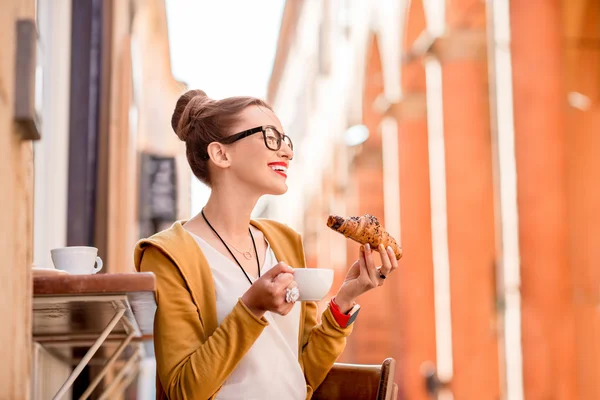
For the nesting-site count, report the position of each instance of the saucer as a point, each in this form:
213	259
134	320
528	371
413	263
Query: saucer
48	272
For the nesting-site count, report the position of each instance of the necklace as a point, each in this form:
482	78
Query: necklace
230	252
247	255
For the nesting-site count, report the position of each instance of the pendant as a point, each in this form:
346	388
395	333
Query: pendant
247	255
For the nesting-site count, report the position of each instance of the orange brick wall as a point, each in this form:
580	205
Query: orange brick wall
582	63
471	230
415	290
372	339
541	133
558	171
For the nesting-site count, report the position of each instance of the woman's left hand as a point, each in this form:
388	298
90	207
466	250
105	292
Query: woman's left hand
364	275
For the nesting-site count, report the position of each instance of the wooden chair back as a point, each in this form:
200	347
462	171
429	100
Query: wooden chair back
359	382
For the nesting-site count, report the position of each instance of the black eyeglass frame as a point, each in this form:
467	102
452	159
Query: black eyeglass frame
241	135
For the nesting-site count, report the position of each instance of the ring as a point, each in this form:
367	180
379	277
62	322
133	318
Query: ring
382	276
291	295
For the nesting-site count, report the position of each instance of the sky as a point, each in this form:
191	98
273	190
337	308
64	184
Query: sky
225	48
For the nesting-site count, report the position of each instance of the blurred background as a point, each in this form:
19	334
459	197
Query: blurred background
468	127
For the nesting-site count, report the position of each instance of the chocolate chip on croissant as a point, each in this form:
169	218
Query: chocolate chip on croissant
364	229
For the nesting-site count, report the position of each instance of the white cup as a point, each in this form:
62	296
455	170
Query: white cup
77	260
313	283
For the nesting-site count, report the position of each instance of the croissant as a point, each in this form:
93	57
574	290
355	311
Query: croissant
364	229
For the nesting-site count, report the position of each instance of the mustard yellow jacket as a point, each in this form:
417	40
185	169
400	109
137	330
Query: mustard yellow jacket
194	354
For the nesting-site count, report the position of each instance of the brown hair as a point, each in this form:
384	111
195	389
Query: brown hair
199	120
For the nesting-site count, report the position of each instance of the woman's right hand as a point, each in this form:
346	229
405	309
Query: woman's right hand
268	292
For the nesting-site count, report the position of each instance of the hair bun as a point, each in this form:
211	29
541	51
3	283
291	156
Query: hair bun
187	107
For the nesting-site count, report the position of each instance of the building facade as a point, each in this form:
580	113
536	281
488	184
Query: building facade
480	159
107	168
16	175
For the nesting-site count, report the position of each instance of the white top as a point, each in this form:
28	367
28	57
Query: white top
270	369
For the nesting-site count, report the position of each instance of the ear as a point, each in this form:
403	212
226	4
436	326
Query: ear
218	154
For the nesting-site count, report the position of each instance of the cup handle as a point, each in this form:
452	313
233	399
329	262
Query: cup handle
98	265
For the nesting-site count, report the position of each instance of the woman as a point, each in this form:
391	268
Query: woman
228	325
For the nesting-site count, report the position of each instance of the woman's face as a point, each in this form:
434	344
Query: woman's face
251	161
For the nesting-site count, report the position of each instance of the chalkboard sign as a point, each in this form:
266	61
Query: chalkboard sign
158	192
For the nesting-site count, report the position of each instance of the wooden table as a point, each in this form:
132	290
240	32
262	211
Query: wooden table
87	311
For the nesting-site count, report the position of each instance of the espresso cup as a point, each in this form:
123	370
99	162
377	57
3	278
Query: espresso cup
77	260
313	283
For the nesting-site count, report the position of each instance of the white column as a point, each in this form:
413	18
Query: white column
391	177
390	26
435	14
439	225
505	191
52	151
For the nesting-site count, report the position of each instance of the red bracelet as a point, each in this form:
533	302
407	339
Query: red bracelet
341	318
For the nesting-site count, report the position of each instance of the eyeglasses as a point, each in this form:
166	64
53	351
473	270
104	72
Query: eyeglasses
272	137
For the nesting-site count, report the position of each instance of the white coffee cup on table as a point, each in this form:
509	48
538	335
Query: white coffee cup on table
77	260
313	283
